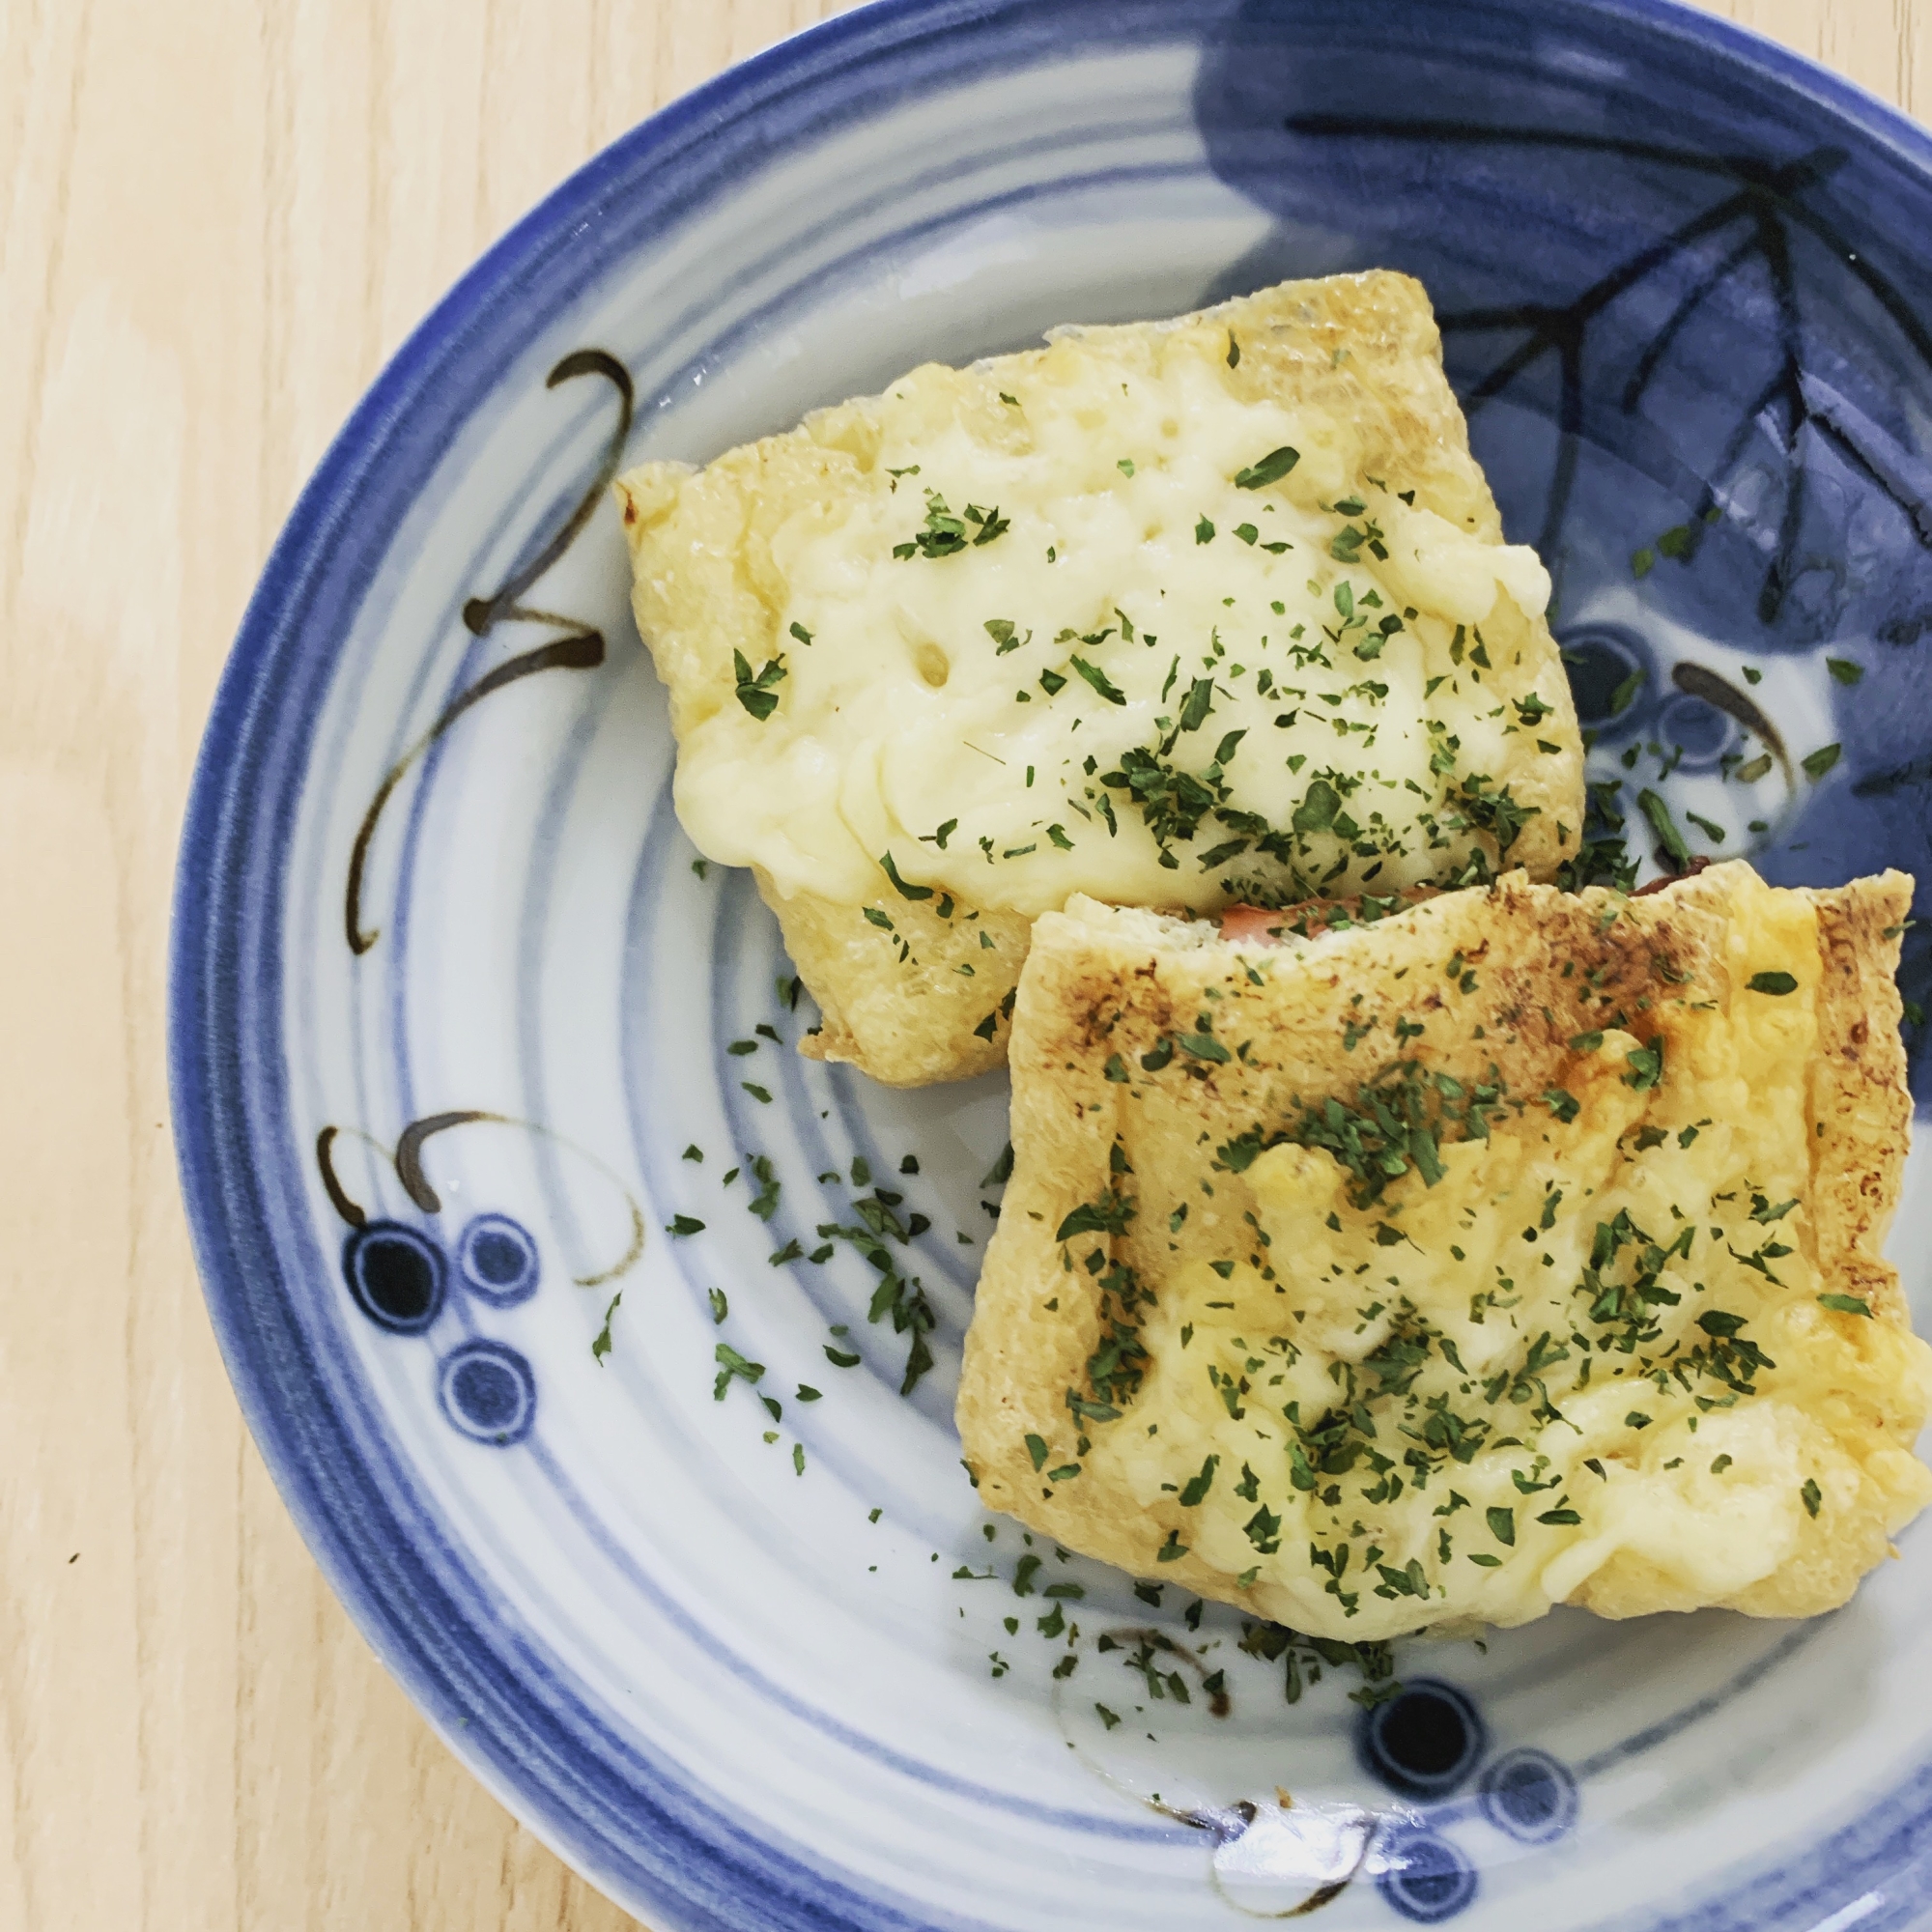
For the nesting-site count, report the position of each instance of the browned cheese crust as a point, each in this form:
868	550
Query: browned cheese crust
1145	1050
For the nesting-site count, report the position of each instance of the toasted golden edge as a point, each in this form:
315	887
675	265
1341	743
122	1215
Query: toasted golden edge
1860	1096
1390	371
1020	1360
916	1023
1859	1091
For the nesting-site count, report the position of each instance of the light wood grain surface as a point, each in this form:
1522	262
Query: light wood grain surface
220	217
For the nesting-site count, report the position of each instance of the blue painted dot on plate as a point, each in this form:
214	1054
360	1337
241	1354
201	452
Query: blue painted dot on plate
1529	1795
488	1392
1424	1877
1424	1741
1697	730
1601	659
396	1274
498	1260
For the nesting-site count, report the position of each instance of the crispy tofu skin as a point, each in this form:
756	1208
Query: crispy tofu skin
1520	1248
1172	614
941	1013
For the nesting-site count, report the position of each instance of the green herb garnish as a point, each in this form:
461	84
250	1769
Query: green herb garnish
756	694
945	534
1099	679
601	1346
904	891
733	1365
1272	468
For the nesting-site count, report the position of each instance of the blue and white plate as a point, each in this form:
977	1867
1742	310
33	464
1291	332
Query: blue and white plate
454	1011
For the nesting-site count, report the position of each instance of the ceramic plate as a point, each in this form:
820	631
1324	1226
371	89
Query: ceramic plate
454	1011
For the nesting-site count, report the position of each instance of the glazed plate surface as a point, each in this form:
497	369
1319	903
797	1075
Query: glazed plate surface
454	1009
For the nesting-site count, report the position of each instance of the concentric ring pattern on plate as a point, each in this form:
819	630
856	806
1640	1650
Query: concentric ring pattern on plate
452	1002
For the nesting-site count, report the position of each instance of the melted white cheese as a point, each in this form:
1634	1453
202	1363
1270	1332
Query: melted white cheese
902	715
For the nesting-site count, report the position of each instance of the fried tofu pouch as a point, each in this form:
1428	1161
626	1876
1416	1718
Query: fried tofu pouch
1174	614
1519	1248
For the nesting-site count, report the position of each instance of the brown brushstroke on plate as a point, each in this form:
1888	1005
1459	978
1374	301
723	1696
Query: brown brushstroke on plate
581	649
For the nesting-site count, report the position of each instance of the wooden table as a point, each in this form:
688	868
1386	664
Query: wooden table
221	217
